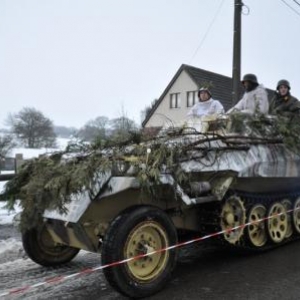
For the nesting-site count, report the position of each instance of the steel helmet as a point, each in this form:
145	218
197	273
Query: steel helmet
250	77
204	89
283	82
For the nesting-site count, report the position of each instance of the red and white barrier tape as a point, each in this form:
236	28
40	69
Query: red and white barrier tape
91	270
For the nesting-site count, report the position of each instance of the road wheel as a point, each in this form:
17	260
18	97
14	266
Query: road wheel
257	233
296	215
40	247
277	222
233	215
134	232
288	207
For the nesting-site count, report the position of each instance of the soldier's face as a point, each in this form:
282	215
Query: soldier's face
283	90
247	85
204	96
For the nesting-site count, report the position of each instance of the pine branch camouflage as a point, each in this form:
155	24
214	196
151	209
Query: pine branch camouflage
48	182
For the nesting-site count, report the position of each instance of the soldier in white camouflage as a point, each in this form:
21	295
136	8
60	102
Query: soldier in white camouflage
206	105
255	98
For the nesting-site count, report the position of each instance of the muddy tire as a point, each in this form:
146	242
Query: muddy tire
40	248
139	231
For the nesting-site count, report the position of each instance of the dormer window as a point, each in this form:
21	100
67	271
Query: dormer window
191	98
175	100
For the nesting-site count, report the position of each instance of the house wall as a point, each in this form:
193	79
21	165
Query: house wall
164	115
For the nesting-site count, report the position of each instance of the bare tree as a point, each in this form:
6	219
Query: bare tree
122	128
93	129
64	131
32	128
6	144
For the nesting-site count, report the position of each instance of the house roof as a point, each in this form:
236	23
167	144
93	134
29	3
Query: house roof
221	86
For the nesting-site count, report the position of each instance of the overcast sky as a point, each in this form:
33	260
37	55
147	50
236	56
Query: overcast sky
75	60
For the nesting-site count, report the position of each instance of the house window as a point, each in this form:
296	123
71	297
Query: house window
191	98
175	100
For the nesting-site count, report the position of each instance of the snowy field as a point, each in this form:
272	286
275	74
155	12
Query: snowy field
30	153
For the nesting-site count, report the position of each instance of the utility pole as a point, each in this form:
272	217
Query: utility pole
236	65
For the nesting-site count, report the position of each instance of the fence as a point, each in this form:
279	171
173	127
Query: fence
11	165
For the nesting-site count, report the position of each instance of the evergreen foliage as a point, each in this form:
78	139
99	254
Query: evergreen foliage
6	144
51	180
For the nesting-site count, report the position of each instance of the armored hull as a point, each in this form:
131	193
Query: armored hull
242	182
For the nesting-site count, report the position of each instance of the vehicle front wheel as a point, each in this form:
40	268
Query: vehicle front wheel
40	247
134	232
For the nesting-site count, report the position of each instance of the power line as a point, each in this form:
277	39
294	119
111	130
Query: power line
298	3
293	9
208	29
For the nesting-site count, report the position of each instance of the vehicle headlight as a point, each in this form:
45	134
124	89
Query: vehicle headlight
120	167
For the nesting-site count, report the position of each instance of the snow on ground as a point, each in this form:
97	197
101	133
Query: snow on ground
11	249
2	184
62	143
7	216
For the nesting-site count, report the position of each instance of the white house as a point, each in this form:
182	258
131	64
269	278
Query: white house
181	94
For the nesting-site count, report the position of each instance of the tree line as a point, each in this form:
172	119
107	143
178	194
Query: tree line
32	129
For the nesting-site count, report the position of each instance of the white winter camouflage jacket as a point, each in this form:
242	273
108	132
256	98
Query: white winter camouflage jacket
253	101
205	108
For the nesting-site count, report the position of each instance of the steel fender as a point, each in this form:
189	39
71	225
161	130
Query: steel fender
120	184
79	203
75	209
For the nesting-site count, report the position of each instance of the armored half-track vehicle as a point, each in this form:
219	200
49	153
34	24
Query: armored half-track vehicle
230	172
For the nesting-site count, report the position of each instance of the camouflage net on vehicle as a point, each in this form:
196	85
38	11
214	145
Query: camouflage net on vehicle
49	181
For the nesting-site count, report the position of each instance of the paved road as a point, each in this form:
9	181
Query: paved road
203	272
